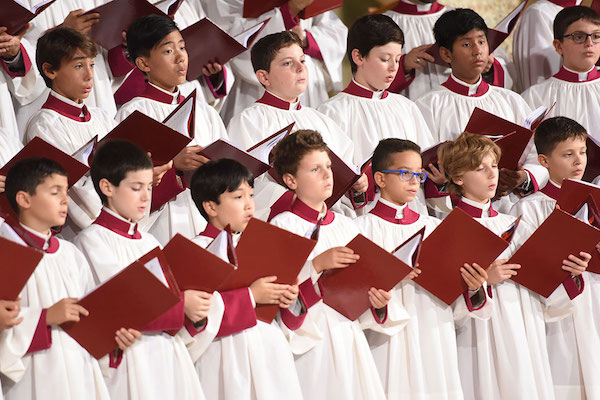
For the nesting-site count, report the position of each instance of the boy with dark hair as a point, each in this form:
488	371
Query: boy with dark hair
576	86
156	45
326	340
222	191
38	360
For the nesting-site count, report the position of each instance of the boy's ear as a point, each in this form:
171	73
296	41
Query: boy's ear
379	178
446	55
48	71
106	187
210	207
458	181
558	46
263	77
357	58
23	199
289	181
543	160
142	63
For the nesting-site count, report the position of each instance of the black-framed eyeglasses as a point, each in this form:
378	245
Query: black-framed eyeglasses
581	37
407	174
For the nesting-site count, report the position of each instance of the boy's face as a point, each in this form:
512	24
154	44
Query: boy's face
393	187
167	64
313	182
378	69
235	208
566	161
469	55
74	77
47	207
131	198
480	184
579	57
288	76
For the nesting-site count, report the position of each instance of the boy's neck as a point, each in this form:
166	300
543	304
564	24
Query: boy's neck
283	97
474	199
56	92
466	80
113	211
575	70
387	198
33	224
161	86
362	82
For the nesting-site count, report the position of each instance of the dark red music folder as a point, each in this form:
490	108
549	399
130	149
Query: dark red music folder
183	118
256	8
131	299
430	155
224	149
344	176
18	263
266	250
459	239
592	169
15	16
319	7
221	47
542	254
573	194
262	150
346	289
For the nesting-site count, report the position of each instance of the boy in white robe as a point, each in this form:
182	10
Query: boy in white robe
321	37
332	355
574	341
576	86
237	356
157	365
38	360
419	361
156	45
279	63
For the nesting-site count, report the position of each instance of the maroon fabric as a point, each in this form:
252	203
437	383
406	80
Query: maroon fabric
239	312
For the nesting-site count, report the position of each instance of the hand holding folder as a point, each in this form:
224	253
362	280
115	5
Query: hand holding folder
15	15
344	176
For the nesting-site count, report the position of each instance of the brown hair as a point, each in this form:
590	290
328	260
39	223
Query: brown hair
556	130
265	50
290	150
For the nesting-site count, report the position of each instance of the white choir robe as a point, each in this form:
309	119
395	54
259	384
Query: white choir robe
269	115
420	361
574	341
9	146
332	355
57	367
577	96
324	34
238	357
180	214
59	122
157	365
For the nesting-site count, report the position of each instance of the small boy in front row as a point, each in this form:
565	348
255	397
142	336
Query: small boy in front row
157	365
231	358
573	341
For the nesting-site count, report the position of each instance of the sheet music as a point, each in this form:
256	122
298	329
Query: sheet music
154	267
407	251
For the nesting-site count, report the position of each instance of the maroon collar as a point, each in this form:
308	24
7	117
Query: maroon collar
306	213
38	242
67	110
456	87
150	92
564	3
473	211
274	101
354	89
388	213
117	225
569	76
411	9
551	190
210	231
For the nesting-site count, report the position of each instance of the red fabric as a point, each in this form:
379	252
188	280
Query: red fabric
115	358
42	337
133	86
276	102
26	61
569	76
312	47
564	3
222	92
551	191
359	91
67	110
288	20
400	82
116	225
168	188
571	287
152	93
459	88
411	9
189	326
118	62
379	321
239	312
498	74
210	231
388	213
169	321
310	297
281	205
470	305
38	242
290	320
536	187
473	211
308	214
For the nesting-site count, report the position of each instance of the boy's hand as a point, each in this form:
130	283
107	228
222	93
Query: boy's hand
297	29
509	180
10	45
489	64
289	296
64	311
473	275
212	69
3	184
196	304
188	159
336	257
499	271
82	23
9	311
436	174
298	5
417	58
126	337
266	291
361	185
577	265
412	274
379	298
159	171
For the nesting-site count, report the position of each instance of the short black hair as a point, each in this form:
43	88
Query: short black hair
113	160
555	130
214	178
382	156
371	31
26	175
455	23
60	45
265	50
146	32
568	15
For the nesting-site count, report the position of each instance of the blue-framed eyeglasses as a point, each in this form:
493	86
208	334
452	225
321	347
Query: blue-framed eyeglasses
407	174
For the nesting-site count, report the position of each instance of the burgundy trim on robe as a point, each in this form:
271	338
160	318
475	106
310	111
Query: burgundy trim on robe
168	188
222	91
571	286
489	292
118	62
191	328
569	76
400	81
564	3
308	214
210	231
432	191
239	313
459	88
276	102
388	213
288	20
152	93
114	360
411	9
470	304
536	187
132	86
377	319
290	320
312	47
26	62
42	337
498	74
359	91
281	205
551	191
67	110
38	242
117	225
169	321
310	297
473	211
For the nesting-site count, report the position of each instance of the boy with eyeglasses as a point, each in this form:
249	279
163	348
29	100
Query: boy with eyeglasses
576	86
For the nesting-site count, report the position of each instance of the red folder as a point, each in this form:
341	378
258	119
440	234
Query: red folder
266	250
513	142
183	118
223	47
541	255
15	16
430	155
319	7
115	17
262	150
18	263
256	8
169	7
592	218
575	193
152	136
346	289
344	176
131	299
592	169
459	239
224	149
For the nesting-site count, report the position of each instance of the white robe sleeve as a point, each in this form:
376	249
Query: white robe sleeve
396	319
